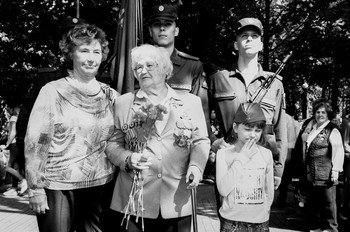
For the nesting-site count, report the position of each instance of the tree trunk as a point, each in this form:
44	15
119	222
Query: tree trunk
335	93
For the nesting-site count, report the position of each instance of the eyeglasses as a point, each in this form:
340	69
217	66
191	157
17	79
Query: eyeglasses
150	66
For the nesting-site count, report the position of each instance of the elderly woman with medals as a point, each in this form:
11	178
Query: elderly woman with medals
163	148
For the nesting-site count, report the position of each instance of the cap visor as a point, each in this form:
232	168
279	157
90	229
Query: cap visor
171	19
252	27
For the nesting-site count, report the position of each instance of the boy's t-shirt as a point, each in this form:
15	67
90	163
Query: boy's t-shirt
247	189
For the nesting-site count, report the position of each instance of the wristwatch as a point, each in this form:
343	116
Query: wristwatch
126	165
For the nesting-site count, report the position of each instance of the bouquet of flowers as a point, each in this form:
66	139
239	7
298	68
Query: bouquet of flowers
138	133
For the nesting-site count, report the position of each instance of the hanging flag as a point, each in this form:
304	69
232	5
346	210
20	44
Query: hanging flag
129	35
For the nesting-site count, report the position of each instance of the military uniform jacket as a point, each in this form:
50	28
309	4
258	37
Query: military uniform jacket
188	75
229	90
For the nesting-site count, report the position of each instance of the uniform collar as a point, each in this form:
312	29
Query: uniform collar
175	58
236	73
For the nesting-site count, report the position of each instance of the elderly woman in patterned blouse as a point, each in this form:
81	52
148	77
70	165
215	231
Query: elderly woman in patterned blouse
162	139
69	128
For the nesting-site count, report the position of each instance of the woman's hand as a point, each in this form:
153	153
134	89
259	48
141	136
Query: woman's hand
139	161
193	176
334	176
3	147
38	203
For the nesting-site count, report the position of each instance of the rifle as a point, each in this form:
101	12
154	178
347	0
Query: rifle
262	91
264	88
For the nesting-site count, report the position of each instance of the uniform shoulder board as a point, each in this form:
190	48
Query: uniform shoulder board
280	78
184	55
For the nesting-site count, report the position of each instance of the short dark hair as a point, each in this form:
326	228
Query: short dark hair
79	35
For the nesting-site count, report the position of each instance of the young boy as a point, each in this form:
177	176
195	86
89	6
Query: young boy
244	173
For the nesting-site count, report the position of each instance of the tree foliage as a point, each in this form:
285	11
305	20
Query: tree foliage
30	31
316	31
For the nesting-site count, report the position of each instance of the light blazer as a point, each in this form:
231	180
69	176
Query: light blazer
165	188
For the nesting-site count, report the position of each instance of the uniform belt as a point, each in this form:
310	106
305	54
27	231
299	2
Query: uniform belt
269	129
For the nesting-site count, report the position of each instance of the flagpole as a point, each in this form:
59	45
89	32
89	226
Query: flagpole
78	5
128	36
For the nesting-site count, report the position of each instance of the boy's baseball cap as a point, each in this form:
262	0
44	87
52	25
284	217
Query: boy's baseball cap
165	12
249	112
248	22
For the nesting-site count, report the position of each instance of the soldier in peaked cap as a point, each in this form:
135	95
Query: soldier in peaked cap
165	12
239	171
188	74
230	88
246	23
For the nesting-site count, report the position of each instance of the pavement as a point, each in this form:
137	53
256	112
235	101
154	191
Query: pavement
15	215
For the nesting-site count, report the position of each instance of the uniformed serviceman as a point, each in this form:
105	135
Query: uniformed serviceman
231	88
188	74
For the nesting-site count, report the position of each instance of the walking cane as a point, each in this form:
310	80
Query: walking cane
194	209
